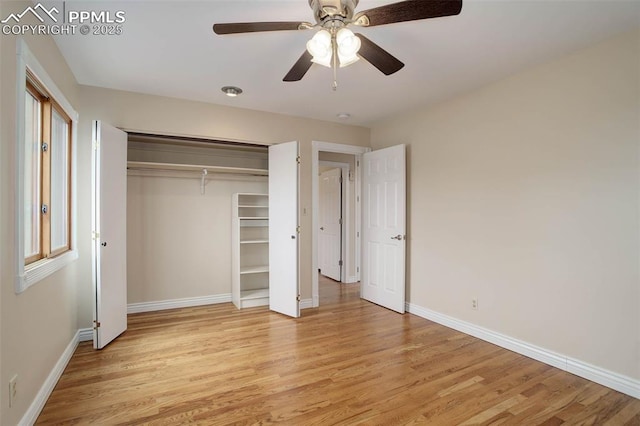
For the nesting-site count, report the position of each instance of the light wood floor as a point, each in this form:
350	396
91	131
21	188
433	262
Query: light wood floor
348	362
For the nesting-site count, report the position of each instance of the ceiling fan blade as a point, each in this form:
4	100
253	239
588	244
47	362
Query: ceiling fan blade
253	27
300	68
410	10
378	57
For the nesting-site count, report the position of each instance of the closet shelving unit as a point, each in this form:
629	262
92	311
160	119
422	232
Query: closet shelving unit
250	250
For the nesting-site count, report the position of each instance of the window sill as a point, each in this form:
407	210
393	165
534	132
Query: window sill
43	268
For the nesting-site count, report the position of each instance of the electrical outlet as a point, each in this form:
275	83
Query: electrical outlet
13	389
474	304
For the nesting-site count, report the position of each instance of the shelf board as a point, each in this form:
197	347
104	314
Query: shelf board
254	294
252	207
253	217
148	165
254	269
254	242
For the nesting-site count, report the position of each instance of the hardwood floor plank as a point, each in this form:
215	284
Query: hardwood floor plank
347	362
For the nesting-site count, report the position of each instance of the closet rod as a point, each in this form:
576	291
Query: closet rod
196	168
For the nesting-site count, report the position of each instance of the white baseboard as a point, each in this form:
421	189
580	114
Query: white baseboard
134	308
85	334
626	385
43	394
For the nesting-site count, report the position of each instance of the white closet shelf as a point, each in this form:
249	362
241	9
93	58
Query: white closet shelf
254	242
254	294
254	269
147	165
254	218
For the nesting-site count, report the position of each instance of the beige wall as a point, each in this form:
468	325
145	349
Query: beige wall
525	195
170	116
38	324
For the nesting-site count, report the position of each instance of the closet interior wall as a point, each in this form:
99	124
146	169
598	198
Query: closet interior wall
179	229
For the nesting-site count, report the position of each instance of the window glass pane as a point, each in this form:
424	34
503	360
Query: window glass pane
59	181
32	177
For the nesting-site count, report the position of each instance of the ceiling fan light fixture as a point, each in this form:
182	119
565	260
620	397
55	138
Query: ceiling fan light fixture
320	48
348	47
231	91
347	41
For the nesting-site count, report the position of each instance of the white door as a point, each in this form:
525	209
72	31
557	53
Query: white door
283	229
109	196
384	227
330	236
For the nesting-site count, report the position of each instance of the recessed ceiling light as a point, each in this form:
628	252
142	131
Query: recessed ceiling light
343	115
231	91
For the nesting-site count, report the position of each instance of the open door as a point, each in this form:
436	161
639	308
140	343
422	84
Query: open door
384	227
109	196
330	232
284	291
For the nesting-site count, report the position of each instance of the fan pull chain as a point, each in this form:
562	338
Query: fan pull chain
334	60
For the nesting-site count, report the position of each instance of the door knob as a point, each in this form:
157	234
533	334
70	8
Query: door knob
398	237
104	244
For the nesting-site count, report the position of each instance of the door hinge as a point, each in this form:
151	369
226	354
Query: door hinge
340	263
95	235
340	179
357	163
358	269
45	147
340	221
298	229
97	324
298	298
298	159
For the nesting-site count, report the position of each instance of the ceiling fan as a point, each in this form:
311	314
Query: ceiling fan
334	45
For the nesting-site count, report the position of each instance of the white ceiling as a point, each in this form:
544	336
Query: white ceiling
168	48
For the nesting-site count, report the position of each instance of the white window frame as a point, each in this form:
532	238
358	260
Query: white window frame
37	271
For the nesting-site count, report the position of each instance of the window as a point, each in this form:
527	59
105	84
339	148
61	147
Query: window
44	174
47	166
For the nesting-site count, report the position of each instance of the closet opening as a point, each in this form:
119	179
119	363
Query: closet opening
180	192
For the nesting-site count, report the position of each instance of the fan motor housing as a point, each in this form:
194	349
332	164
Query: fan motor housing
329	10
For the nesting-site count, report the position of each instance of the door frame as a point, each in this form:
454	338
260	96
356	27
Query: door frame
316	148
345	209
